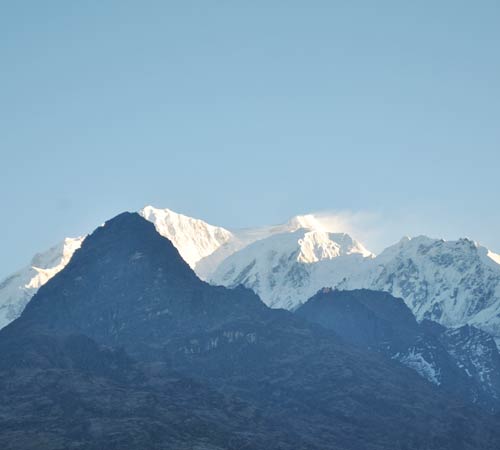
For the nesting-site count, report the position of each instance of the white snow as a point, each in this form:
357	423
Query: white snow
241	238
446	281
494	256
282	268
416	361
17	289
194	238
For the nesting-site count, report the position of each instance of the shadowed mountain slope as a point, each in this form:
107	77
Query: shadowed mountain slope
464	361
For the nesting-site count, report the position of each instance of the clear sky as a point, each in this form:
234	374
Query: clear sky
245	113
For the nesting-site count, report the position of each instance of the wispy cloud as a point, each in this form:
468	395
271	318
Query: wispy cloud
365	226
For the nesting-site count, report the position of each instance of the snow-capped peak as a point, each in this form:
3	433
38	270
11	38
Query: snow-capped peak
318	245
194	238
450	282
49	263
17	290
323	236
283	268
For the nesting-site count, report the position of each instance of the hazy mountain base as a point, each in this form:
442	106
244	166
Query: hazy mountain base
60	393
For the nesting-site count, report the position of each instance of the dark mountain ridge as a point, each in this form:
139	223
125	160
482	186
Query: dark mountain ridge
464	360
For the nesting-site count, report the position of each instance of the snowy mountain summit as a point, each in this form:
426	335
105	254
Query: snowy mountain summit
283	268
17	289
450	282
194	238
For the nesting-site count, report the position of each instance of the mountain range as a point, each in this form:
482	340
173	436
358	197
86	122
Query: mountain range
451	282
126	348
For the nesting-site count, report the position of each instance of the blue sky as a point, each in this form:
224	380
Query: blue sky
246	113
